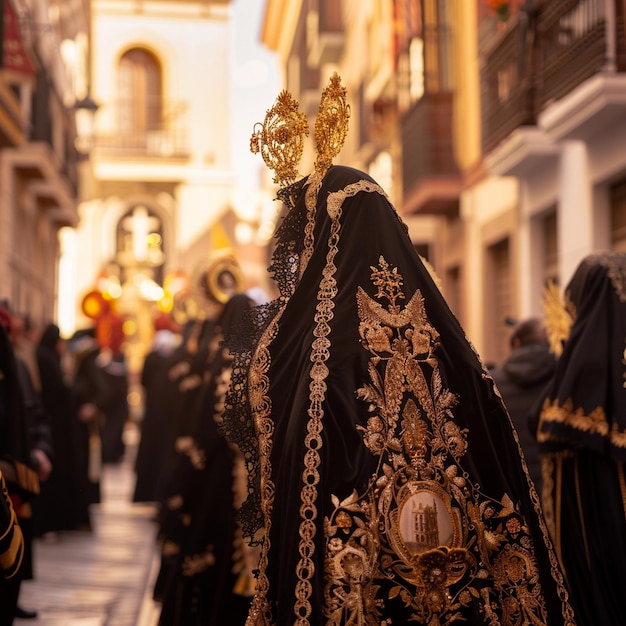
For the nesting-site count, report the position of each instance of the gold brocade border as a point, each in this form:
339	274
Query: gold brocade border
258	384
419	449
12	540
12	554
317	388
594	423
545	509
310	199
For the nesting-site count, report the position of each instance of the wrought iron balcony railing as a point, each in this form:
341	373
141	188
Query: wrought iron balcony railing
158	128
540	57
427	150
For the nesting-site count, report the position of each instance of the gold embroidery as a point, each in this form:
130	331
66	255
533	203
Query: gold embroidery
175	502
617	437
313	441
594	423
198	563
258	384
190	382
317	388
547	491
170	548
310	200
616	270
189	447
422	531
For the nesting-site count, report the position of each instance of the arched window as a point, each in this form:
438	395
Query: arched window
139	92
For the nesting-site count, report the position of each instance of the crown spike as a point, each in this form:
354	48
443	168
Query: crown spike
331	124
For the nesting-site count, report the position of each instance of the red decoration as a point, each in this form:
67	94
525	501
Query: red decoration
110	332
14	55
502	8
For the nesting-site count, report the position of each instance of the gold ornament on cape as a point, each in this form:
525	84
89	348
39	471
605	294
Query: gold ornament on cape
558	317
280	139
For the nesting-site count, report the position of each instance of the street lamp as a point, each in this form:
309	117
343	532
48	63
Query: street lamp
85	110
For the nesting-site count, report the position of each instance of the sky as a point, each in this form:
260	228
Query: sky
256	83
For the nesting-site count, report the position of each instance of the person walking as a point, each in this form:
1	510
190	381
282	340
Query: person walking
206	582
580	424
386	484
521	379
157	424
55	508
21	467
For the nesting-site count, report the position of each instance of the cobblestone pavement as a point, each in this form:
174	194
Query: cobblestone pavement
103	577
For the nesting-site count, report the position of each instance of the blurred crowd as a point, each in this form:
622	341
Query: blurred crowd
198	479
63	406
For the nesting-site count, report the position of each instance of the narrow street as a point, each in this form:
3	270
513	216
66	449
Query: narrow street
103	577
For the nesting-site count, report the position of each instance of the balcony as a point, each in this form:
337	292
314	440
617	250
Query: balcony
573	46
158	129
325	33
507	87
431	177
539	59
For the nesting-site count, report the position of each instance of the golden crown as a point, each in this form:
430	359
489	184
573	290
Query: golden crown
280	138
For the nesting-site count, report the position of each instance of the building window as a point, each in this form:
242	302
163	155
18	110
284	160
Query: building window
408	42
618	217
139	92
424	48
499	300
439	57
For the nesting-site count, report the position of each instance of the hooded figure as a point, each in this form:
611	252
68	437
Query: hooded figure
521	380
581	431
386	480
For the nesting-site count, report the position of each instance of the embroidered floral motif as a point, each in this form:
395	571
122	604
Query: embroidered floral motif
422	534
189	447
594	423
198	563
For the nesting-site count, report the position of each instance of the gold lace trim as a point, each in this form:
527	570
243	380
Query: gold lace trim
260	613
310	199
317	393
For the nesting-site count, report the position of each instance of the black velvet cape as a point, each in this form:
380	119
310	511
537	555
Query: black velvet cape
202	549
386	480
581	430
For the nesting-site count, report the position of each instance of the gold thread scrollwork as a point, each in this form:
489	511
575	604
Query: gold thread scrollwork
280	138
423	533
331	124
